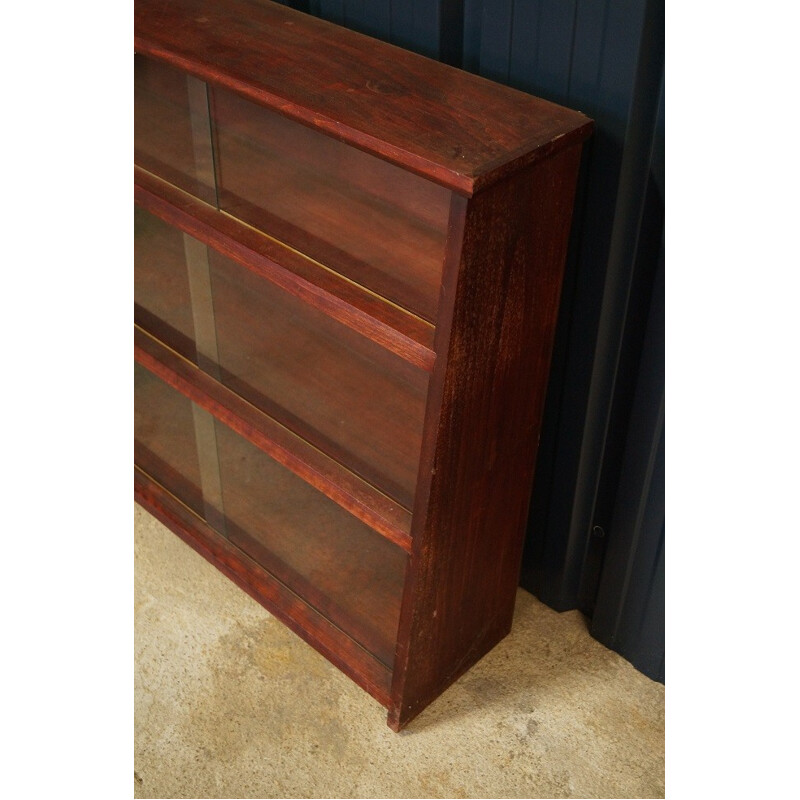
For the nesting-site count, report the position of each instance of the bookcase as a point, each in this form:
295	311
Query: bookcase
348	261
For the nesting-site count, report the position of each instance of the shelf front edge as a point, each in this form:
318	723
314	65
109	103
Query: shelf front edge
391	327
373	508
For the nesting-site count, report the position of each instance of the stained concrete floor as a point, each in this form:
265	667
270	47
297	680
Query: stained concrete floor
229	703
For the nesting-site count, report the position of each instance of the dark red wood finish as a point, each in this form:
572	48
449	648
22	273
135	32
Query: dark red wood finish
458	129
164	442
328	200
353	399
171	110
162	293
372	507
484	413
481	335
396	330
332	561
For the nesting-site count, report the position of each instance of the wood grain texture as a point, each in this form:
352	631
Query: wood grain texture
357	402
511	161
395	329
486	403
280	601
334	481
161	291
327	200
453	127
327	557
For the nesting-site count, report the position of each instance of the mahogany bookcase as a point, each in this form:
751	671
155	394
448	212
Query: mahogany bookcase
348	261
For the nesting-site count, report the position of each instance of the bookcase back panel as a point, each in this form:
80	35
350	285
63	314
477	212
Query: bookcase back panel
353	399
378	225
324	556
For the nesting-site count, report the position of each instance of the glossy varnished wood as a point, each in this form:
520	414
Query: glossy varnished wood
386	324
328	200
453	127
384	515
458	275
485	408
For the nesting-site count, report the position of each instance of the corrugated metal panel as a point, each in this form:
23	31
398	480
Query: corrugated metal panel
629	606
430	27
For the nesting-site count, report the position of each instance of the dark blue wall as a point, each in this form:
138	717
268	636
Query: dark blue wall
596	531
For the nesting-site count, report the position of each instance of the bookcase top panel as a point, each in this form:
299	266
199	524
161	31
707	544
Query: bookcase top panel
448	125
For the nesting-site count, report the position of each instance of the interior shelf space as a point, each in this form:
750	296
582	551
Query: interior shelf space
394	328
327	557
354	400
337	482
317	195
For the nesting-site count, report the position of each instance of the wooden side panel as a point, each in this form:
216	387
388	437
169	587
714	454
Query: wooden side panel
459	598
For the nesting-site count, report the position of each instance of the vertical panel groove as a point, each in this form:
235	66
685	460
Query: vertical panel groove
625	231
573	39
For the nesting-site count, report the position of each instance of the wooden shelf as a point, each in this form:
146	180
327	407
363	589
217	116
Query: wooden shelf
165	444
351	398
348	268
393	328
162	294
169	116
334	562
363	501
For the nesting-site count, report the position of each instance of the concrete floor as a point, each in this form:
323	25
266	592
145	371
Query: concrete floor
230	703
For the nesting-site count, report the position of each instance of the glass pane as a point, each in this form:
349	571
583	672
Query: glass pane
172	134
375	223
161	284
351	398
164	438
349	573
